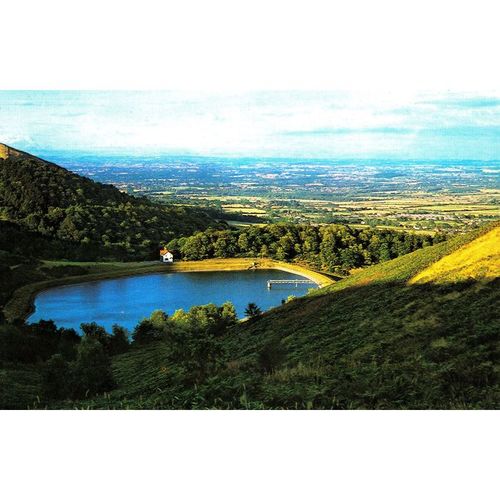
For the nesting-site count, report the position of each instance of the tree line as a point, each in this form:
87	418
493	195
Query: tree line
333	247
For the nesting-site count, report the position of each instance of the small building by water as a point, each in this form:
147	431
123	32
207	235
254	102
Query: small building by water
166	256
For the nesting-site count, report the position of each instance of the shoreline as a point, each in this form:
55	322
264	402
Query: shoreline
21	305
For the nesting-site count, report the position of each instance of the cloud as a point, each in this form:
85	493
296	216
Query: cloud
346	131
301	123
478	131
465	102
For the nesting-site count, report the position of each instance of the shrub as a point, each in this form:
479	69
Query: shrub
119	341
91	372
56	377
252	310
270	356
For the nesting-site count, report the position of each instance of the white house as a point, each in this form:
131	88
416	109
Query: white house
166	256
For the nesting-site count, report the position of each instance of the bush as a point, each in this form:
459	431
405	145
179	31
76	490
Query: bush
252	310
15	346
56	378
145	332
119	341
91	372
270	356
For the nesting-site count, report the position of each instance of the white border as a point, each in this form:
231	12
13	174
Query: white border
248	455
400	47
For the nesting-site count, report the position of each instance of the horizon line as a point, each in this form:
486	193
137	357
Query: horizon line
180	154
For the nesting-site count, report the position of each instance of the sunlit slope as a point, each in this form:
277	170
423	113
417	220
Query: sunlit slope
4	151
404	269
7	151
479	259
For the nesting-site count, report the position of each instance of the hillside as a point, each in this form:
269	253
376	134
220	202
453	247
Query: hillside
378	339
479	259
47	199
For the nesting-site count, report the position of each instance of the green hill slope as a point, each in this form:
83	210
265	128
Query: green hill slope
54	202
373	340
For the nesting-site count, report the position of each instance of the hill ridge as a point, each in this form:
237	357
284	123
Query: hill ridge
49	199
6	151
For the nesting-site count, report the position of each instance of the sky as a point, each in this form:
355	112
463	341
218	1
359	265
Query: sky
277	78
302	124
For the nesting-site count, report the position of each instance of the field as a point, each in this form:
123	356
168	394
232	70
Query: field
423	213
416	196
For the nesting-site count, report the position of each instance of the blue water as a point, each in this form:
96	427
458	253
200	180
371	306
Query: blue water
126	301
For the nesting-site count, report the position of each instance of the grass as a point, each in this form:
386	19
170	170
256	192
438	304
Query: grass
19	387
479	259
397	228
240	224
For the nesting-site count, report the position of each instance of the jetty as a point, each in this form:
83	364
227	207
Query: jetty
270	283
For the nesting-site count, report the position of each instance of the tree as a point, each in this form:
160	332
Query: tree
285	247
42	338
91	372
197	247
15	346
68	341
97	332
243	243
144	332
158	319
56	377
68	229
224	245
384	252
252	310
119	340
228	313
195	351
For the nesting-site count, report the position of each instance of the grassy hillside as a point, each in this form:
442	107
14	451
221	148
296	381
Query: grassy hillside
98	219
479	259
378	339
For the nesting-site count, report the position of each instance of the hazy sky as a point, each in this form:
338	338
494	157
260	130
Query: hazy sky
287	124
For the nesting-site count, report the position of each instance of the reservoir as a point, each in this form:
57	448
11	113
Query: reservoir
126	301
